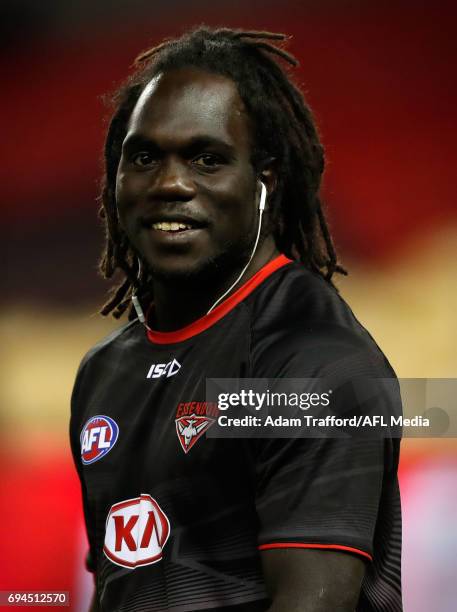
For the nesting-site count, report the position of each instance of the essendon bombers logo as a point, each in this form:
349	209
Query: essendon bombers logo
136	532
193	419
189	430
98	437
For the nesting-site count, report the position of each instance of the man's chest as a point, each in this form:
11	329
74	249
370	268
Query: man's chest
167	504
145	449
148	404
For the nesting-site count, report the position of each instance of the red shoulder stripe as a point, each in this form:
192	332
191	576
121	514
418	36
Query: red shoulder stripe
319	546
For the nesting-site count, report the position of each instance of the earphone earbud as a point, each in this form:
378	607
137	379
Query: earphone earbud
263	196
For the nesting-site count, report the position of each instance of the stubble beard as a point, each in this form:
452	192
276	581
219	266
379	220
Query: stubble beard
214	269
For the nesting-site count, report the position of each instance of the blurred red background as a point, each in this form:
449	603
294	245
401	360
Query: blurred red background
381	81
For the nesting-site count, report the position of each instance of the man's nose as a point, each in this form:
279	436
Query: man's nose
172	182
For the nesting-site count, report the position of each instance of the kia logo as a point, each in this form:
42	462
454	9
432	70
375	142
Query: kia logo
136	532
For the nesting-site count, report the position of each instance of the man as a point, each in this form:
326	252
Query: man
212	213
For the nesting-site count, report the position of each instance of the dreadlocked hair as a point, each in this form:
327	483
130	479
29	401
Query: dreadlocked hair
283	128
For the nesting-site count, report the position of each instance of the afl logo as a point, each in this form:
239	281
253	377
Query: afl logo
98	437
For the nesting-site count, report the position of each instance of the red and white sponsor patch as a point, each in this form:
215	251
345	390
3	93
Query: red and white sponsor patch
136	532
190	429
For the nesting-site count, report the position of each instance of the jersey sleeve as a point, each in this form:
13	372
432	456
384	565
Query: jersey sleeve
320	493
329	492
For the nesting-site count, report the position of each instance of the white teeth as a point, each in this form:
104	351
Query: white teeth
173	226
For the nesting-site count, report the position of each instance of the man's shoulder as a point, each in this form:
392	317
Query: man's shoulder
298	299
300	317
116	340
102	358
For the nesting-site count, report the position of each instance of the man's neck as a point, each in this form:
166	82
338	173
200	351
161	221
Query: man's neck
178	305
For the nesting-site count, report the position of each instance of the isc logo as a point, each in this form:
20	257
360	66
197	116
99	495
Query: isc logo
164	369
136	532
98	437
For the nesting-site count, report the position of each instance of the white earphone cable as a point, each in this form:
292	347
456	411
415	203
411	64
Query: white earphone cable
263	197
136	301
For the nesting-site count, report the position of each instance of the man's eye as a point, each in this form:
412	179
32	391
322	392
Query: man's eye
142	159
207	160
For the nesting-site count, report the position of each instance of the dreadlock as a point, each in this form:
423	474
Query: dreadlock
283	129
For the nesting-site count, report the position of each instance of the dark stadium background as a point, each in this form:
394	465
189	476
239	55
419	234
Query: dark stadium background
381	79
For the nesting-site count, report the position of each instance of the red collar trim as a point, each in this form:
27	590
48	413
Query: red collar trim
220	311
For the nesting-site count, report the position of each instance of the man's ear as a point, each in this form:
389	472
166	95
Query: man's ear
268	174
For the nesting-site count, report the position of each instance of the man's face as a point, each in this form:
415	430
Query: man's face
186	189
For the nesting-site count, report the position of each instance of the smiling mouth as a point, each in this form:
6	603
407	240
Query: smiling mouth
173	226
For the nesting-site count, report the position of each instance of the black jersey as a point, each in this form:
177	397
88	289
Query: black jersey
176	518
